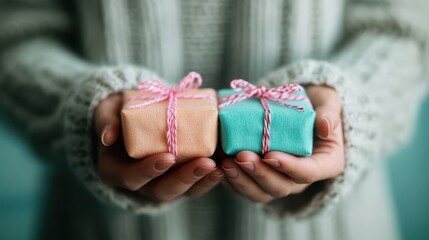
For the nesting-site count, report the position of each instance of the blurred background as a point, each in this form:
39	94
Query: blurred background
22	177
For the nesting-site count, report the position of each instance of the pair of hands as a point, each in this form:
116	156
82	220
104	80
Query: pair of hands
277	175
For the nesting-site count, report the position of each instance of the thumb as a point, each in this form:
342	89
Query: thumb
107	119
327	105
327	120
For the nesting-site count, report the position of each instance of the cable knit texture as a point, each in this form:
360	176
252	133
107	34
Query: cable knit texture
360	121
372	52
87	95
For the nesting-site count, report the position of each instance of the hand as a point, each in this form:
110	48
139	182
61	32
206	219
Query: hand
148	177
279	174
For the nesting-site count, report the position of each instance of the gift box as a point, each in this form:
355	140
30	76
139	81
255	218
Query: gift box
150	127
285	125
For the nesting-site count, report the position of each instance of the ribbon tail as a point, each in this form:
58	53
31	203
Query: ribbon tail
296	107
154	100
230	100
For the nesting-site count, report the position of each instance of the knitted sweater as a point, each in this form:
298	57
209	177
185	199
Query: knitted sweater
58	59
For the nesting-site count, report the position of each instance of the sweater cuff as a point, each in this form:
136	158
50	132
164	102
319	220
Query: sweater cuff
79	133
360	132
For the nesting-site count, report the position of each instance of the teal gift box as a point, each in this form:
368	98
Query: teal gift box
242	123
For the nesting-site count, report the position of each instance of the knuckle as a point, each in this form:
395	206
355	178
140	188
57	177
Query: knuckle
126	183
185	181
291	169
312	175
306	179
301	181
149	173
281	192
161	197
240	186
261	176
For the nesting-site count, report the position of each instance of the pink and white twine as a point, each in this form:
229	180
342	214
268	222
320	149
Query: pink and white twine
278	95
165	93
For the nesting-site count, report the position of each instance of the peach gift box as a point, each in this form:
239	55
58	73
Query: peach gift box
144	129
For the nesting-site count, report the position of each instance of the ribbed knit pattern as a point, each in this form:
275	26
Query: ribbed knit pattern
371	52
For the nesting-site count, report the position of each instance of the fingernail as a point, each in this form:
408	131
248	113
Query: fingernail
272	162
103	132
323	134
247	166
216	177
230	172
201	172
163	165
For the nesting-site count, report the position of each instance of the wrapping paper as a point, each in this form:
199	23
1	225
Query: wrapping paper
241	126
144	129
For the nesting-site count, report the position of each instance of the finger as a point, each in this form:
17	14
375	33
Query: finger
328	109
107	119
307	170
206	184
273	182
179	181
117	170
327	120
244	184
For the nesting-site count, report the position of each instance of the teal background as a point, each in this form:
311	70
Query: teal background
21	184
241	126
409	176
22	181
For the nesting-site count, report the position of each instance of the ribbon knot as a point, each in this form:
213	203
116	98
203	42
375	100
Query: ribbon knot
278	95
163	92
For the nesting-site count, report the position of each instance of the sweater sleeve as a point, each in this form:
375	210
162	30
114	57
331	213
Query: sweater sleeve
53	92
37	71
379	76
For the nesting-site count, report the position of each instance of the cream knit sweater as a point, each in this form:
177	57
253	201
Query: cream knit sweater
58	59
